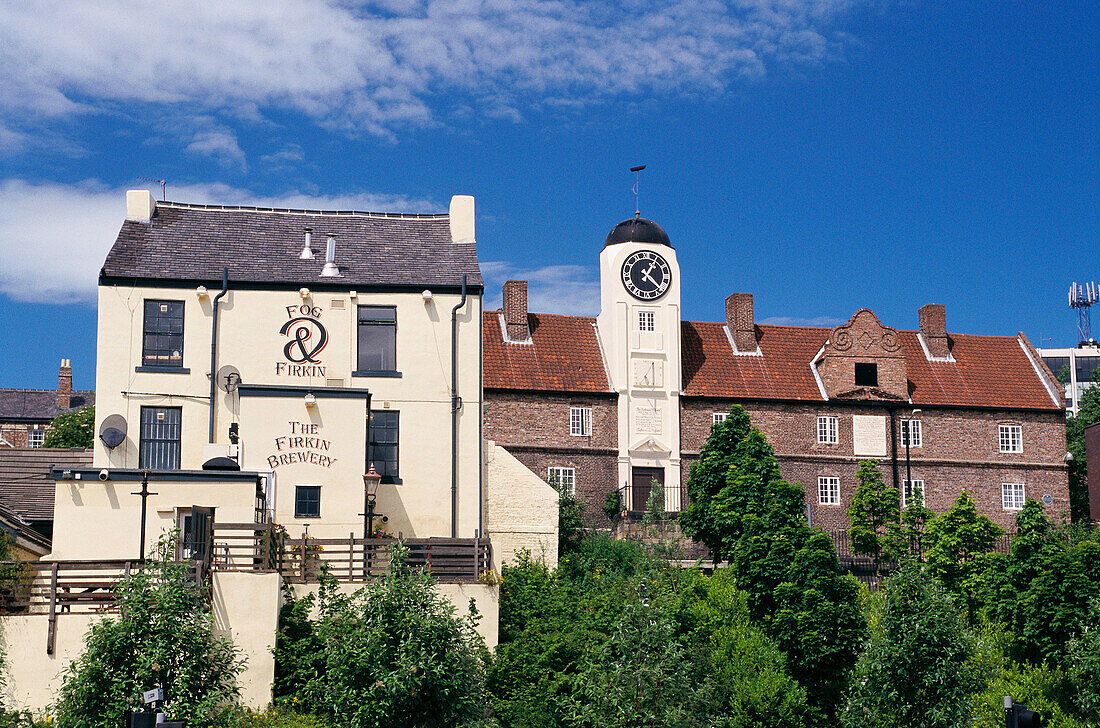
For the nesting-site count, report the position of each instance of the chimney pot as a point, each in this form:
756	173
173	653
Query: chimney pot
330	270
933	327
740	322
307	249
515	310
64	385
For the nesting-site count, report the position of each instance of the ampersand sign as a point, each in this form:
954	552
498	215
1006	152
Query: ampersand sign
299	349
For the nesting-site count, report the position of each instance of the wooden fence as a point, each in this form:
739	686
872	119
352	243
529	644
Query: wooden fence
448	560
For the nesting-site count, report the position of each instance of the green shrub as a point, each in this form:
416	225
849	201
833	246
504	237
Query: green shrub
280	714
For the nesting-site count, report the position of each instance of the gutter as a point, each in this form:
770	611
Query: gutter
214	351
456	405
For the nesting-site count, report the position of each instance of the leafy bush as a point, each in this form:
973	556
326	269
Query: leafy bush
74	428
281	714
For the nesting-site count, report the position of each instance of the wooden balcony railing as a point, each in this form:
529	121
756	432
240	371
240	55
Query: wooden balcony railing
448	560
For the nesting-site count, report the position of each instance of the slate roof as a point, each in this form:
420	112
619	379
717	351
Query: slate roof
564	355
25	484
21	405
186	242
988	371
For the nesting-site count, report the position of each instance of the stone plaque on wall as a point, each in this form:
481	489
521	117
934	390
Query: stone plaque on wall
648	420
869	435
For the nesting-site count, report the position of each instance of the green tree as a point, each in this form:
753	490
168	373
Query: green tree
1084	669
956	539
1088	413
918	670
571	526
164	636
873	513
73	428
907	537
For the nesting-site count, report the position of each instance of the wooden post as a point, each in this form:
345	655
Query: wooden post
351	555
51	634
302	553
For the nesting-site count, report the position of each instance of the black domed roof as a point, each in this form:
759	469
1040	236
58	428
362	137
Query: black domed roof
637	230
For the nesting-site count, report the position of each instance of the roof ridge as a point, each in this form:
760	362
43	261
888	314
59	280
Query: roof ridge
303	211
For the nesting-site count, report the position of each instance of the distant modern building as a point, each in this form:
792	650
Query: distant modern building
1092	472
1074	368
25	414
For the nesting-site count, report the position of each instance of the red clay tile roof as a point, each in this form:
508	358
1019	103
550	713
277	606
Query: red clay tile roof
988	371
564	355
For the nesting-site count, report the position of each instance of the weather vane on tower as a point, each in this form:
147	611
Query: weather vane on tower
637	179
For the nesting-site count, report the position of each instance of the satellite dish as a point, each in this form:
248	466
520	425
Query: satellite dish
229	378
113	431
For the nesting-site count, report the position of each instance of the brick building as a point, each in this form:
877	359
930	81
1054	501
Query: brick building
616	401
25	414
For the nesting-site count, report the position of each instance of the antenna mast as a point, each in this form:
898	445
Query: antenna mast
163	186
1081	299
637	180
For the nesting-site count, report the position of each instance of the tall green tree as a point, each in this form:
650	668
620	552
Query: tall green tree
1088	413
873	513
73	428
908	537
956	539
918	669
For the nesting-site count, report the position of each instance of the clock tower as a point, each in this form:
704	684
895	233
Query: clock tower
639	332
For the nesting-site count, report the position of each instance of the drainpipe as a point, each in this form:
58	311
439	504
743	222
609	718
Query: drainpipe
456	405
214	351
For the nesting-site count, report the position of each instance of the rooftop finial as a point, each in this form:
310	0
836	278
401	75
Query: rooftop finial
637	179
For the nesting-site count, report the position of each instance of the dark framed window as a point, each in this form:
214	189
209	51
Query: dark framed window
159	444
377	339
307	501
162	340
382	446
866	374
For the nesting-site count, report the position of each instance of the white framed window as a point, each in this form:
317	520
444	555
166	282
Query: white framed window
911	433
1012	496
908	488
580	421
826	430
36	437
828	491
719	417
646	321
1011	438
565	478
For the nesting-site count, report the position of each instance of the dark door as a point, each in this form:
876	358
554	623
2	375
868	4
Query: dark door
198	543
641	485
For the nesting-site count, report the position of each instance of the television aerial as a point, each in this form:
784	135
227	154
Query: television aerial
1081	298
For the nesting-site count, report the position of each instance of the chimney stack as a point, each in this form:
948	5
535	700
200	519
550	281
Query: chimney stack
64	385
740	322
515	310
933	327
140	205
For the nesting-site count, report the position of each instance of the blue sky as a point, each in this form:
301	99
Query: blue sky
824	155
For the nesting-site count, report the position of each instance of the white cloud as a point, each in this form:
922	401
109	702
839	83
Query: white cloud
218	142
564	289
55	237
378	65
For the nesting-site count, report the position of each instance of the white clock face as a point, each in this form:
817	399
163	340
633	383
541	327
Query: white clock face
646	275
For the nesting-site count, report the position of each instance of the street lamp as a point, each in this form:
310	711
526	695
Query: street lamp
371	479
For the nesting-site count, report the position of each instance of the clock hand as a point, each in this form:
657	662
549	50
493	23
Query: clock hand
647	271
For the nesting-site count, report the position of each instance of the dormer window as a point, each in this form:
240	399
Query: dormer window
866	374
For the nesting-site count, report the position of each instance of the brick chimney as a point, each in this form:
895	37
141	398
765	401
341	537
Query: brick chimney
515	310
933	326
64	385
740	322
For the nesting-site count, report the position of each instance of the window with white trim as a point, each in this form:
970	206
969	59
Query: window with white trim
826	430
910	487
36	437
720	417
914	427
828	491
646	321
564	478
580	421
1012	496
1011	438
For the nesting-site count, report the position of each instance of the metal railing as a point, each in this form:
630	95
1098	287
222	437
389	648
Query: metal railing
633	499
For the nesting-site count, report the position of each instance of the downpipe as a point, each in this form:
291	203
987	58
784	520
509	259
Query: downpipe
456	405
214	351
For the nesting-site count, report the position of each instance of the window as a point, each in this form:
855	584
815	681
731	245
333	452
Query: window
645	321
382	448
826	430
911	427
162	343
377	339
1087	366
564	478
1012	496
307	501
720	417
159	446
1059	367
866	374
908	488
36	437
1011	438
580	421
828	491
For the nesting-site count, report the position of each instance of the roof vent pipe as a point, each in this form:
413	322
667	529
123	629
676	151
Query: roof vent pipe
330	270
307	251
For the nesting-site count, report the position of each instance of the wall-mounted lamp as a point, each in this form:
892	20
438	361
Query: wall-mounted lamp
1067	458
201	291
311	400
427	295
303	292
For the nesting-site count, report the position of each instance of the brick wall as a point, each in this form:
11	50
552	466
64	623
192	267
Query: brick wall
15	434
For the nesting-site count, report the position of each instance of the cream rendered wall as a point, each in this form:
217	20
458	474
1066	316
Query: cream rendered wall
246	609
249	339
521	510
96	519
